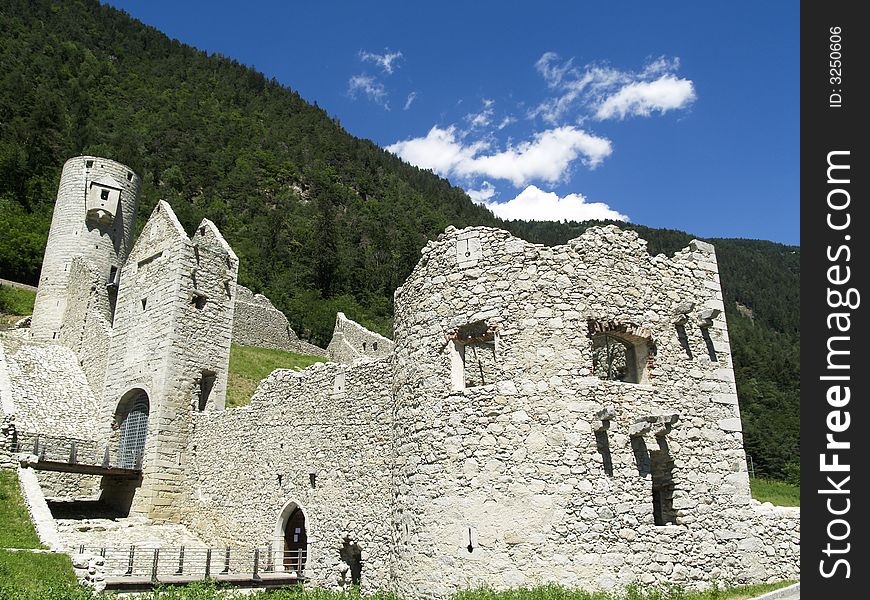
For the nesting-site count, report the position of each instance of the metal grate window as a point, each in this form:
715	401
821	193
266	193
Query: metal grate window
134	428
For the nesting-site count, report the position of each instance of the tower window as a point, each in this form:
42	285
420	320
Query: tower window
619	354
473	356
104	194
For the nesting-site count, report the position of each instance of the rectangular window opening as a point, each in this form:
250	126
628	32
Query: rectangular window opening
206	385
473	356
661	469
144	303
198	300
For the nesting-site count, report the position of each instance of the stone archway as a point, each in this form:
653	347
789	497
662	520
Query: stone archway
291	537
131	420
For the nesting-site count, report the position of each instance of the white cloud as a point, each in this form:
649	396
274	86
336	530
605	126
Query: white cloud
486	191
385	60
548	156
644	98
411	97
505	122
482	118
369	86
534	204
607	92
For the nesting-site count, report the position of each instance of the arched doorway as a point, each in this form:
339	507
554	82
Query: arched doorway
132	420
295	542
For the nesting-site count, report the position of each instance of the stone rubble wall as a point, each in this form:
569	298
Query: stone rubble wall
244	465
52	395
352	342
72	235
257	322
514	470
87	323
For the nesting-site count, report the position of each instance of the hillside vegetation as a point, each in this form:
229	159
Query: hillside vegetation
322	221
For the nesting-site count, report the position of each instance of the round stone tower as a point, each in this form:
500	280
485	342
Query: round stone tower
94	219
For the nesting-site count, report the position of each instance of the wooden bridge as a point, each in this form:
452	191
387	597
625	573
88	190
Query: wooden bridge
72	455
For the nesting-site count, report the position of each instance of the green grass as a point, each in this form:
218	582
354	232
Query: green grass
16	530
14	301
776	492
43	576
249	366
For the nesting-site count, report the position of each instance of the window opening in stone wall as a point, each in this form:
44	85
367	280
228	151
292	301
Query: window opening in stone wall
206	385
620	352
375	346
661	468
104	194
683	337
144	303
364	346
198	300
89	163
129	176
474	356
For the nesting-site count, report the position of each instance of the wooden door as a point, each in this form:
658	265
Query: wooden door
295	542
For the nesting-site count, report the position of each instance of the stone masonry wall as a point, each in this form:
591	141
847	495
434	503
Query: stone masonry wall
352	342
247	465
257	322
87	324
73	234
173	325
544	475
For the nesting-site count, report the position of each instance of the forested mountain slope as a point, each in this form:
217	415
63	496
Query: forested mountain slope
322	221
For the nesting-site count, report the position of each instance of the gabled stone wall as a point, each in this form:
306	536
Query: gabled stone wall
352	342
258	323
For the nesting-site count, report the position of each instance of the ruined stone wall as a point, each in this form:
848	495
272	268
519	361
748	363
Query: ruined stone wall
257	322
173	325
544	474
245	465
75	232
87	323
352	342
49	395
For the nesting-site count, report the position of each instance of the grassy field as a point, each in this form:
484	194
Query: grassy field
14	303
16	530
249	366
60	590
779	493
27	574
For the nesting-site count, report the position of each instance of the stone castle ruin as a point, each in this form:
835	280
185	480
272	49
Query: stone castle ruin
560	414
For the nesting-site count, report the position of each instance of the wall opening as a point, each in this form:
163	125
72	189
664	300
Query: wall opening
661	468
131	419
206	385
295	542
198	300
351	555
619	352
473	356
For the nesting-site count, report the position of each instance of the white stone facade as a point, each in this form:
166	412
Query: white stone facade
556	414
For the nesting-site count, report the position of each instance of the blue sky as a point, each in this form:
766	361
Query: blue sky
680	115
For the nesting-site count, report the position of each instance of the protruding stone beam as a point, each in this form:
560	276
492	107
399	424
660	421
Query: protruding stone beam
655	424
603	418
706	316
681	312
